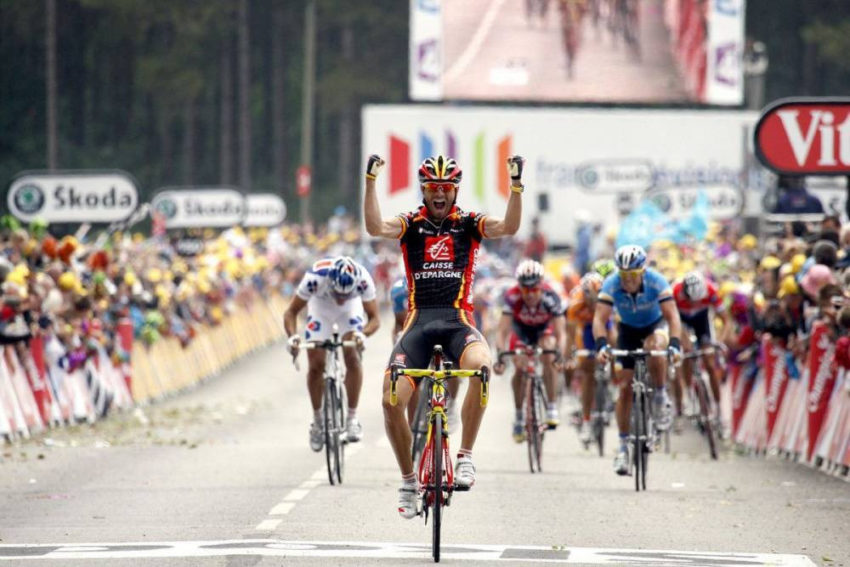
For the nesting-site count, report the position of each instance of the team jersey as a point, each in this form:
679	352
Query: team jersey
688	308
398	295
578	311
640	309
316	284
440	259
550	306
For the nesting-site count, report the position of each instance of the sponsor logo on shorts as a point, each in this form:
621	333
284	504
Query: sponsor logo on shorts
400	359
471	338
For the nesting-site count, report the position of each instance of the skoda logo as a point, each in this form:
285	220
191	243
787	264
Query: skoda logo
29	199
589	177
167	207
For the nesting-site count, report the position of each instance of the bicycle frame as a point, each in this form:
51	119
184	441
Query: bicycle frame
333	402
532	383
435	470
642	433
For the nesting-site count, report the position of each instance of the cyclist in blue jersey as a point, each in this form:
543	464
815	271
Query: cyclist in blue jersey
647	313
398	299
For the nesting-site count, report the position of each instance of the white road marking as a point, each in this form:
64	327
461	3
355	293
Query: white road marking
295	495
285	507
475	43
282	508
395	551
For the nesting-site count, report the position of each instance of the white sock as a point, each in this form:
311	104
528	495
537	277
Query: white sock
317	416
352	413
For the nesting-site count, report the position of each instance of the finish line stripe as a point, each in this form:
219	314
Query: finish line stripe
365	550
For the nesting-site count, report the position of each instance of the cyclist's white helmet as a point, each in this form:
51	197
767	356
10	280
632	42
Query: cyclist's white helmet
694	286
529	273
630	257
343	275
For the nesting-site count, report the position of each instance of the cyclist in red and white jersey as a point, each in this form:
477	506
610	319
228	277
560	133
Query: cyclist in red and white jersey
697	298
532	315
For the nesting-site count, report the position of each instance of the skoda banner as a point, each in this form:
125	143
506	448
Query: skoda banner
264	209
73	196
193	207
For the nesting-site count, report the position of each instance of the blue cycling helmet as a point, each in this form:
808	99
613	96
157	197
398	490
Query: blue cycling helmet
630	257
343	275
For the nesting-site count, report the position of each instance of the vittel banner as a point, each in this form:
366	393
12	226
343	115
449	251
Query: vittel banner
426	50
264	209
73	196
805	136
193	207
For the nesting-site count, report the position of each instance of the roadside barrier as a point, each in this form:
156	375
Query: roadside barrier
804	414
43	385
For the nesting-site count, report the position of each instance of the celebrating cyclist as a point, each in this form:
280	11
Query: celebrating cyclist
696	298
533	315
644	302
336	291
439	243
582	304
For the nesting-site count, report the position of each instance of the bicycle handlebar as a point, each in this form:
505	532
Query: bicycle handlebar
638	352
328	344
536	351
439	375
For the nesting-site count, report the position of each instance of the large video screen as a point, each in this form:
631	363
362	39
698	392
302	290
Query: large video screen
605	51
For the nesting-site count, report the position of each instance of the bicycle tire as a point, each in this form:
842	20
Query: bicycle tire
419	427
532	425
599	415
437	487
542	425
331	439
339	418
705	415
638	435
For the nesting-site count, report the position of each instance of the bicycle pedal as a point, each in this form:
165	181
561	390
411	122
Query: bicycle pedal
457	488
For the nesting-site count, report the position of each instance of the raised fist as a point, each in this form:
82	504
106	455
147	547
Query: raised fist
373	166
515	165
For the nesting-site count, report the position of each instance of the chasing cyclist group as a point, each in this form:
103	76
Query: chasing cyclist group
621	302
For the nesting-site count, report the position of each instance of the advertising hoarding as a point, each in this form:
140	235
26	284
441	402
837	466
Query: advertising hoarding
601	161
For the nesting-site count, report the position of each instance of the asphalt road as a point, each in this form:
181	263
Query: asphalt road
223	475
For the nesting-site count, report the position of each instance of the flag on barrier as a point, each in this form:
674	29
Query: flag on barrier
823	372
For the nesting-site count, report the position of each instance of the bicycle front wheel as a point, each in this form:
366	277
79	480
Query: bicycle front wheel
705	415
638	438
437	486
599	415
331	433
339	419
533	425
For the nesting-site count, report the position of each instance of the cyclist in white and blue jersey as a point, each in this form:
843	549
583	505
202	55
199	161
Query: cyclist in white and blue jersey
647	313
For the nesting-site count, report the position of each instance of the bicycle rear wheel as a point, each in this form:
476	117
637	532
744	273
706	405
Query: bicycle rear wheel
437	487
705	415
331	436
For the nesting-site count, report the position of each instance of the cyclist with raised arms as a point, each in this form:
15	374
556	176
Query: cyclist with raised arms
335	291
644	302
582	304
532	315
439	244
696	298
